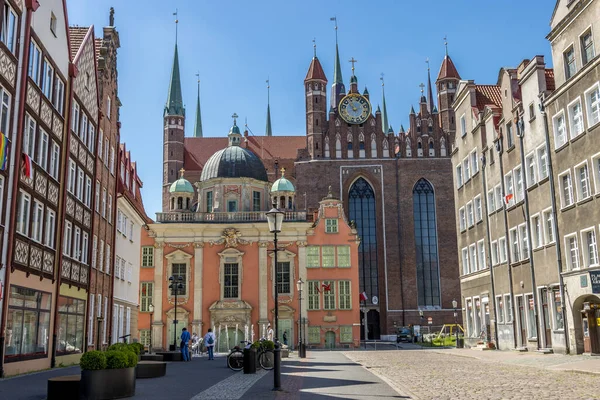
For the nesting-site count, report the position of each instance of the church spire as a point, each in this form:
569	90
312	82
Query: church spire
268	130
430	104
338	81
174	104
384	114
198	125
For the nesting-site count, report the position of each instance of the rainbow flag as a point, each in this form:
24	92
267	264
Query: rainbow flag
3	151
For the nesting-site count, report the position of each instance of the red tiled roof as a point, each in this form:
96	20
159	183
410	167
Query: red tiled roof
315	71
448	70
550	85
268	148
486	95
77	34
135	199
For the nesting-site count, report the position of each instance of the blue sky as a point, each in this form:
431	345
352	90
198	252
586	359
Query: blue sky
236	45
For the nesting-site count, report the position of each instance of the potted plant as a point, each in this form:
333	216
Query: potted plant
108	375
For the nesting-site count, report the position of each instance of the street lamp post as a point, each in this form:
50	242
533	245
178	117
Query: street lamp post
421	328
151	309
454	305
175	287
275	220
301	347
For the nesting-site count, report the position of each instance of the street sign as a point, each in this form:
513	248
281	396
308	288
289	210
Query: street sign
595	280
430	320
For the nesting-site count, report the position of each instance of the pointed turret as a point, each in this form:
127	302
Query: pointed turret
447	84
315	71
268	130
315	85
412	110
430	103
378	110
198	124
174	104
384	114
402	129
390	131
448	70
337	88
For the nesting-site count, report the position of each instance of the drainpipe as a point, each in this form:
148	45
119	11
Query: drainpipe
30	7
561	282
489	247
521	134
398	222
507	242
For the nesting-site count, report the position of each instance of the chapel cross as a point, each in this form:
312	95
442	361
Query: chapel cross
234	116
422	86
282	170
181	171
352	60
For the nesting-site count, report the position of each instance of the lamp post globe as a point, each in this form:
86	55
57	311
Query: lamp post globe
275	220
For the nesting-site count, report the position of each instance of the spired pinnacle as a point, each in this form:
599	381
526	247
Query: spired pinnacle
174	104
198	124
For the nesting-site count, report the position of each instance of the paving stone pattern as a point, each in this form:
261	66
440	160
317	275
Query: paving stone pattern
425	374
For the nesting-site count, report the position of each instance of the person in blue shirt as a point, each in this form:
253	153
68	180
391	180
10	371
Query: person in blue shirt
185	338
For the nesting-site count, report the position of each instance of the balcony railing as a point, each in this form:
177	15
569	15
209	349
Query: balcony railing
224	217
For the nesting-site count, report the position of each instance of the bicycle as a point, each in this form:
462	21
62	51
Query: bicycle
266	357
235	359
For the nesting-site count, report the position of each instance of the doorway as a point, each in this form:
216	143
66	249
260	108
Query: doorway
228	338
330	340
522	333
546	319
285	325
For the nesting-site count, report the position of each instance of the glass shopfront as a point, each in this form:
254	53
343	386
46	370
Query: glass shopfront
71	325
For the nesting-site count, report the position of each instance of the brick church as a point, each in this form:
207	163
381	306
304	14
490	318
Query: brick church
396	186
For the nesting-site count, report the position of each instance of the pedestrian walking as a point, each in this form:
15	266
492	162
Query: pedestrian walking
269	332
185	339
195	344
209	342
285	337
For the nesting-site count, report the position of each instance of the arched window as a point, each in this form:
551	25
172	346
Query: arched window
431	149
408	148
350	148
386	148
419	148
327	147
338	146
443	147
362	211
179	203
426	241
373	147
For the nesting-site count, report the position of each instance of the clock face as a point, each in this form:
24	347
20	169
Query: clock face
354	109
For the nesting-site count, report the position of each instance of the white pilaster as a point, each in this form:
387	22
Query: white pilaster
157	299
263	284
302	275
198	278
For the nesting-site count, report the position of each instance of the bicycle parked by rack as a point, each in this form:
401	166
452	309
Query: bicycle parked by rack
266	357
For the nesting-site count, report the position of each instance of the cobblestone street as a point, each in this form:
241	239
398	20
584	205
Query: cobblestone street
451	374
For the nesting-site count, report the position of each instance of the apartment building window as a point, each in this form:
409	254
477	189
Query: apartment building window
49	227
117	266
8	34
473	258
256	203
590	249
328	295
343	256
536	234
76	243
84	128
560	130
67	238
59	96
463	125
514	245
557	310
466	169
97	200
520	193
508	182
328	256
94	251
331	225
592	100
35	63
531	112
345	295
88	191
36	226
459	176
1	195
84	248
596	171
470	217
146	294
313	256
491	201
112	161
147	256
48	79
474	161
108	107
583	181
509	135
481	255
23	210
42	156
100	143
106	152
523	242
566	187
495	254
101	256
569	58
576	118
498	195
54	160
29	136
465	260
572	252
508	307
109	216
542	162
313	295
104	203
108	260
461	219
502	250
72	182
80	183
283	277
548	225
499	310
478	211
5	110
530	171
587	47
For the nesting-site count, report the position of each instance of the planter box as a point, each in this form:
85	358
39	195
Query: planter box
108	384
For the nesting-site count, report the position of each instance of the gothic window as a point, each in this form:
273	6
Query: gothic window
419	148
430	122
327	147
363	212
386	150
428	280
373	146
338	146
350	148
408	148
431	149
361	145
349	137
443	147
337	122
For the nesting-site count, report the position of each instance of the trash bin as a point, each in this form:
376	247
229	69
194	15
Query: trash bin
249	361
460	343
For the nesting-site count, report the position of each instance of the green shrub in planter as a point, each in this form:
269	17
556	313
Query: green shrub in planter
137	348
268	344
132	358
118	347
93	360
116	359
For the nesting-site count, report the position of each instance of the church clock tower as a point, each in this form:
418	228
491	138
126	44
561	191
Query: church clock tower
315	86
174	132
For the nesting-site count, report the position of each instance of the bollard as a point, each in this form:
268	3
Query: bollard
277	374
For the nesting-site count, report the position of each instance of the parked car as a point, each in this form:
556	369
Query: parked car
403	334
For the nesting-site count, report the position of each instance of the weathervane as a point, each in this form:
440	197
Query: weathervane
381	79
315	46
446	43
335	22
176	24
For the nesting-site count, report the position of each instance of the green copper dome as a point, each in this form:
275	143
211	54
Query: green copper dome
181	185
282	184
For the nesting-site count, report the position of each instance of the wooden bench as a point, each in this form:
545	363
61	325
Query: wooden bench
152	357
150	369
64	387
